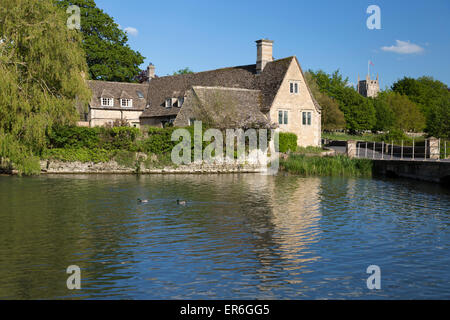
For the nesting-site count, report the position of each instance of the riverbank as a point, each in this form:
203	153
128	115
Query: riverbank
113	167
327	166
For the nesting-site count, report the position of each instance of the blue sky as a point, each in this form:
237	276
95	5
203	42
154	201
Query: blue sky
323	34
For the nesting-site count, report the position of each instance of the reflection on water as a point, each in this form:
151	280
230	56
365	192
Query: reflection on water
239	237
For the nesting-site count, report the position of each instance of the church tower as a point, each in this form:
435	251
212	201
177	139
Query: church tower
369	88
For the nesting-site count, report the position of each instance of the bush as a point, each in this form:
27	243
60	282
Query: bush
123	138
78	154
159	140
287	142
73	137
394	135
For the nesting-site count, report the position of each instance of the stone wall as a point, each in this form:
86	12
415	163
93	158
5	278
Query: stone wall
60	167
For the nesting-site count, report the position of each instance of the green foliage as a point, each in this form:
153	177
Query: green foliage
287	142
359	112
438	122
14	155
395	135
327	166
183	71
125	158
159	140
345	137
108	55
123	138
98	137
78	154
360	116
433	98
309	150
41	71
408	116
73	137
385	117
332	116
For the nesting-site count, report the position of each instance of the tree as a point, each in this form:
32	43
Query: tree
359	112
385	117
332	116
408	116
183	71
424	91
360	116
438	122
108	55
42	67
432	97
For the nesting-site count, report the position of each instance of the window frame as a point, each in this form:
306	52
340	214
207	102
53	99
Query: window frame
294	87
111	100
168	103
306	118
129	103
284	117
180	102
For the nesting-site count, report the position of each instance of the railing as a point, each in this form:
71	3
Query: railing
428	149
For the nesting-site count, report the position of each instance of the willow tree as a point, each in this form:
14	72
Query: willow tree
42	69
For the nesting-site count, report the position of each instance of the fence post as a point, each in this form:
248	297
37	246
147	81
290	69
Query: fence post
373	152
382	150
413	148
351	148
392	149
365	153
445	149
401	157
435	151
425	152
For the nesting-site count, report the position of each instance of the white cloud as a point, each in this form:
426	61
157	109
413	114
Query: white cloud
404	47
131	31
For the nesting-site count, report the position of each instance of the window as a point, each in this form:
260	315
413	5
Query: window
140	94
169	103
293	87
107	102
191	121
283	117
180	102
126	103
306	118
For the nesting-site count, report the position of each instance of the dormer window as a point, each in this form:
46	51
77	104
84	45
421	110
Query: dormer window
293	87
180	102
169	103
107	102
126	103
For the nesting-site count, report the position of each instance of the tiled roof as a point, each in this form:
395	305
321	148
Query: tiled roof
156	91
235	107
118	90
244	77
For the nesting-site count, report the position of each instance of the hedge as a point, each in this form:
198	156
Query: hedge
287	142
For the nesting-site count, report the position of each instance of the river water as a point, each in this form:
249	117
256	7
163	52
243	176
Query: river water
241	236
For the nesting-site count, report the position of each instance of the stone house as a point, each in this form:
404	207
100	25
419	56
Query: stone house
116	101
270	91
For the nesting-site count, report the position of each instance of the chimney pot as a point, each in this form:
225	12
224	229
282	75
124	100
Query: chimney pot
264	54
150	71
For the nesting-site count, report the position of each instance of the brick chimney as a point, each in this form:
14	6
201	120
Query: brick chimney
150	71
264	54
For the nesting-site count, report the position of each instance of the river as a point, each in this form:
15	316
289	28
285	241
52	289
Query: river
240	236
